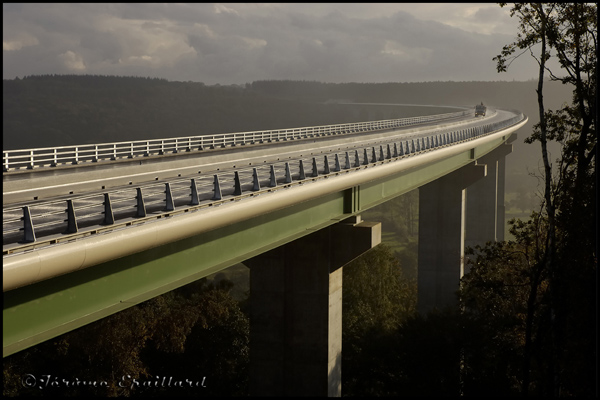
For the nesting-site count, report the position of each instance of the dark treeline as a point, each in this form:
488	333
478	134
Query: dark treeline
62	110
55	110
58	110
439	93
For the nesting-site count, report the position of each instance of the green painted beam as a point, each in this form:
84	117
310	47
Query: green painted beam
38	312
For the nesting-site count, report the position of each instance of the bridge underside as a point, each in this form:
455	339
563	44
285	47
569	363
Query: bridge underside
41	311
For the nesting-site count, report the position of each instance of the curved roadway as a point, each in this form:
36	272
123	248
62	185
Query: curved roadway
274	164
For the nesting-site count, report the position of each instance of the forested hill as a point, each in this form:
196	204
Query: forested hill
49	111
54	110
438	93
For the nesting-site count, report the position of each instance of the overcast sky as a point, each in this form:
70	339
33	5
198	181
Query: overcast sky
231	43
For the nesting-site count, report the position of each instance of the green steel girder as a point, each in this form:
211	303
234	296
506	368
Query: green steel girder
41	311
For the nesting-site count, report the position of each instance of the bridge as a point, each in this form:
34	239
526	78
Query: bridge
91	230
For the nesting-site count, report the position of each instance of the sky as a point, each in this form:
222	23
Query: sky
238	43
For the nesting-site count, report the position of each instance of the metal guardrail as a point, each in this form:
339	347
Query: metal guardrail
67	220
76	154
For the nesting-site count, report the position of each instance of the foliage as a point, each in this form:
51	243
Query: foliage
558	350
399	218
503	294
377	298
216	346
419	357
196	333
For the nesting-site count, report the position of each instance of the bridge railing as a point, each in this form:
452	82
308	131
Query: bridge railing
76	154
67	218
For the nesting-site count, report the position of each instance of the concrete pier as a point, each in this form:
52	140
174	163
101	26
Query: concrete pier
296	310
485	201
442	206
463	208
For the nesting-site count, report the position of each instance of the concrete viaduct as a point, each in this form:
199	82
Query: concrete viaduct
91	230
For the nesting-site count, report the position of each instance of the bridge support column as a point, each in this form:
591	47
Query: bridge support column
442	205
296	310
485	201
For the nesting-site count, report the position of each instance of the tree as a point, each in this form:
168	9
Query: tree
568	32
502	295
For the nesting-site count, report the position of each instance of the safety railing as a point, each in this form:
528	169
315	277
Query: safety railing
76	154
103	206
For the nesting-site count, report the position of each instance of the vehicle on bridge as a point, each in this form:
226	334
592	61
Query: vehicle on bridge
480	109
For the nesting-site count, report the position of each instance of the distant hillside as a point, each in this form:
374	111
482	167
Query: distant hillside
45	111
498	94
54	110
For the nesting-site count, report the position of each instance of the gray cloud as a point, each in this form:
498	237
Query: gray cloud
238	43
